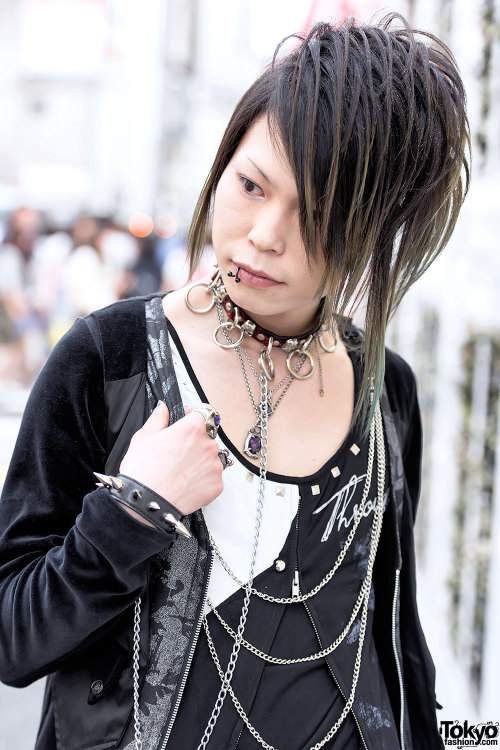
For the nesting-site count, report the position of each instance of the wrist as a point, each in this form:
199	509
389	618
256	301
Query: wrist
145	502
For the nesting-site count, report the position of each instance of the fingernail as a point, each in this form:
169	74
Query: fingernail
160	402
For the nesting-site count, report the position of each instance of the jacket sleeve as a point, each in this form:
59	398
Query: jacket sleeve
418	667
71	559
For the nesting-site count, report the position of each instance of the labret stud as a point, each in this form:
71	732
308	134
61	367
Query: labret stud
235	276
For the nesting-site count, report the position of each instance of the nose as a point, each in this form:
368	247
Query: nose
268	231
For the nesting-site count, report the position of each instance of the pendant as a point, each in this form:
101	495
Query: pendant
253	443
269	410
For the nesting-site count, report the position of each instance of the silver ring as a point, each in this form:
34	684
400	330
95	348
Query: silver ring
218	293
294	372
211	417
199	309
265	361
324	346
228	325
224	458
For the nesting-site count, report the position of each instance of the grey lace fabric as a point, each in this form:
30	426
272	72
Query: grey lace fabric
161	381
176	575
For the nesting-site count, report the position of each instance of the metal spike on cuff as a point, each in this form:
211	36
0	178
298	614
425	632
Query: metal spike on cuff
118	485
106	480
179	526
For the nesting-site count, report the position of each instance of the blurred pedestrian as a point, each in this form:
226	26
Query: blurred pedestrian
88	282
21	336
49	259
145	274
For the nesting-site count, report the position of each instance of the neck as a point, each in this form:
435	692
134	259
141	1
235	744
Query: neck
290	324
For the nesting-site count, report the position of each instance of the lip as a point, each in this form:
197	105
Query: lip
256	272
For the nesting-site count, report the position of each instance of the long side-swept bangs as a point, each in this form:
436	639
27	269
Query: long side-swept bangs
372	119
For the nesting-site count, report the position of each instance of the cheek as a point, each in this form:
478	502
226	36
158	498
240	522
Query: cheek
229	216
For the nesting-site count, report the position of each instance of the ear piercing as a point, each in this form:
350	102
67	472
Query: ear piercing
235	276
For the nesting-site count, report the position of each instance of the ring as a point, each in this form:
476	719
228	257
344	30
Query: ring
322	343
224	458
228	325
294	372
211	417
265	361
218	294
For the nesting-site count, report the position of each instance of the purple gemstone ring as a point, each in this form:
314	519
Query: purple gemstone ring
211	417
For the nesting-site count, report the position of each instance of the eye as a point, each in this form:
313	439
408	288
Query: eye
249	187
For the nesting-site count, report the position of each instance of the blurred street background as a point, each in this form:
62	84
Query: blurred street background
111	114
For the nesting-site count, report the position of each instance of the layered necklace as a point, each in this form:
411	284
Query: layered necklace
234	320
256	446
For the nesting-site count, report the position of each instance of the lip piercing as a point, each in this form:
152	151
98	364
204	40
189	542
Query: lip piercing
237	280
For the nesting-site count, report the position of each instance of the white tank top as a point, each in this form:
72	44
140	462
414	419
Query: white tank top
230	518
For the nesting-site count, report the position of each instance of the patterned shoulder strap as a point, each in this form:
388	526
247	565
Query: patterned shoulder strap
162	382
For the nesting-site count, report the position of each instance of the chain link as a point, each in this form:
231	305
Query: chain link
135	666
342	553
320	368
226	678
263	417
240	351
364	591
376	531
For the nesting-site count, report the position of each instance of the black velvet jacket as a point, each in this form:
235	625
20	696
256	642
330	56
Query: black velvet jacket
70	569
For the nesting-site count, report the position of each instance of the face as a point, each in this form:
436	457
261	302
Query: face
256	227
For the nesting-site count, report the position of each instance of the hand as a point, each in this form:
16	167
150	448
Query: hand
179	462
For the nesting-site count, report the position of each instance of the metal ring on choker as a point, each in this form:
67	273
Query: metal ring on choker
293	372
266	362
228	325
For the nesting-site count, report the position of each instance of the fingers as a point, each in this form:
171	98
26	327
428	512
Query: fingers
158	419
199	418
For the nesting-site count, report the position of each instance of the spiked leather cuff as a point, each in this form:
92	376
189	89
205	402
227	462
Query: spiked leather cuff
144	501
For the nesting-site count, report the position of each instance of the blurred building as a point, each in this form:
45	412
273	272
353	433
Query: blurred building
81	90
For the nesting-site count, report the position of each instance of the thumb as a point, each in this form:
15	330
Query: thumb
158	419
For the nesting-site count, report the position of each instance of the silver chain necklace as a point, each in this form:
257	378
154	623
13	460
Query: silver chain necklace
227	676
252	444
363	596
342	553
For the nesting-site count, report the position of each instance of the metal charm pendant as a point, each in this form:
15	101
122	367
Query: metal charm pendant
253	443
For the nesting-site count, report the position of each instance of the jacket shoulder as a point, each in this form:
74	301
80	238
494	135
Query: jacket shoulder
119	331
400	382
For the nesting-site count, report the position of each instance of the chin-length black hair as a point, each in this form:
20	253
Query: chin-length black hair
372	119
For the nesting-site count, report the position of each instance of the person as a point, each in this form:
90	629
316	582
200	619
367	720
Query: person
21	324
243	575
87	280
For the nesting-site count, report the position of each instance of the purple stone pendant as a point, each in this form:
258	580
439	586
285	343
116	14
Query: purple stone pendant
252	443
